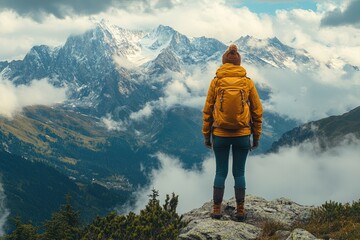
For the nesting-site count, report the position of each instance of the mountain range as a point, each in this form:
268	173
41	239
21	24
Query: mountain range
121	107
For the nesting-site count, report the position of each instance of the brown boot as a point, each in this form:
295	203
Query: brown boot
240	212
240	202
218	194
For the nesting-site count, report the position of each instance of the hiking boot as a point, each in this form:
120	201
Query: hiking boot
240	215
240	202
216	214
218	194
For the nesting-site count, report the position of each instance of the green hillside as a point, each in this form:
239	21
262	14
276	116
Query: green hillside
63	151
34	190
328	131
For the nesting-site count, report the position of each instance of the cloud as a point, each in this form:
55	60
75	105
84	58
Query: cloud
143	113
307	176
193	186
113	125
302	29
19	33
298	28
307	95
39	92
347	16
4	212
38	10
300	173
186	89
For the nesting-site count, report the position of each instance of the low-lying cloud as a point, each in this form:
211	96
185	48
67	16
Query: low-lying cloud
311	95
305	95
110	124
39	92
186	89
300	173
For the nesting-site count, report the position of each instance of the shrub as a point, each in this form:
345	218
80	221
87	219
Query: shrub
335	220
153	223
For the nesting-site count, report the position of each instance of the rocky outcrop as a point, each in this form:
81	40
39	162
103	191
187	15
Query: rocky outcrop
259	212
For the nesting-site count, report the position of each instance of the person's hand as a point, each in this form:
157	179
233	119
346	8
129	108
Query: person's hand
255	144
208	143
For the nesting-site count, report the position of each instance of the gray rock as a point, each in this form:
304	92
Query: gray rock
259	211
220	230
282	234
301	234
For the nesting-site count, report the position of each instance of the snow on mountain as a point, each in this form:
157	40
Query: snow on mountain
272	52
111	70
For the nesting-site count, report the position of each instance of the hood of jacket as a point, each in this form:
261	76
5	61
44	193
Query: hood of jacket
230	70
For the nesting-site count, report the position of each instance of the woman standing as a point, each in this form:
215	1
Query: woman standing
232	113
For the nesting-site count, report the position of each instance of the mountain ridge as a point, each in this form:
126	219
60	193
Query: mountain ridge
328	132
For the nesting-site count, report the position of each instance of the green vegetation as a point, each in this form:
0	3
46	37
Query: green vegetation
335	220
34	191
155	222
331	220
161	222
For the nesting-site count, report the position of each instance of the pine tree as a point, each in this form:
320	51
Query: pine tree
155	222
63	225
23	231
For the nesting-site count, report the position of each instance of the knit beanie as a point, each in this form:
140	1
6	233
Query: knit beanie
231	55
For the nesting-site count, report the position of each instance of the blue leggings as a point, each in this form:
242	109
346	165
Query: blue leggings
240	150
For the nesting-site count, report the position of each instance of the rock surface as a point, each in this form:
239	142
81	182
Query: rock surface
259	211
301	234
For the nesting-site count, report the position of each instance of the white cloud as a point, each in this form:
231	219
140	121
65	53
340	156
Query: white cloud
19	34
185	89
300	173
306	176
39	92
113	125
193	186
212	19
143	113
302	29
4	212
309	95
298	28
303	95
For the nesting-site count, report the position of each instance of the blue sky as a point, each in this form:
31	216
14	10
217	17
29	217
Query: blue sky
270	7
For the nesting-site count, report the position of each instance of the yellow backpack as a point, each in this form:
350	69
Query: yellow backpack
231	109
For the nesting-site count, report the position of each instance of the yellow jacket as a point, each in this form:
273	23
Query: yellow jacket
232	73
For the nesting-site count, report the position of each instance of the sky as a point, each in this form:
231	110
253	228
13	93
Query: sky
329	30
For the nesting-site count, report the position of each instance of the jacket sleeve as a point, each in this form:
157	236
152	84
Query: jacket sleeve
208	110
256	111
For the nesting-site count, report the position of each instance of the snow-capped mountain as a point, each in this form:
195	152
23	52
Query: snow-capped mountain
112	71
272	52
140	83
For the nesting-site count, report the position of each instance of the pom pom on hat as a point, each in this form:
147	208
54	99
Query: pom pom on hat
231	55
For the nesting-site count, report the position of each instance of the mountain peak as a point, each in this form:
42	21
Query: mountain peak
164	29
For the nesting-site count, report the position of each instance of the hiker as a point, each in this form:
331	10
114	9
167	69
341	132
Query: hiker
232	113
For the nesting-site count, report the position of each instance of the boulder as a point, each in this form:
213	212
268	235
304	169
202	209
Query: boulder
259	211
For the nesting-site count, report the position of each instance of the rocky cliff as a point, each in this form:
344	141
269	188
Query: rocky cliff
283	212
